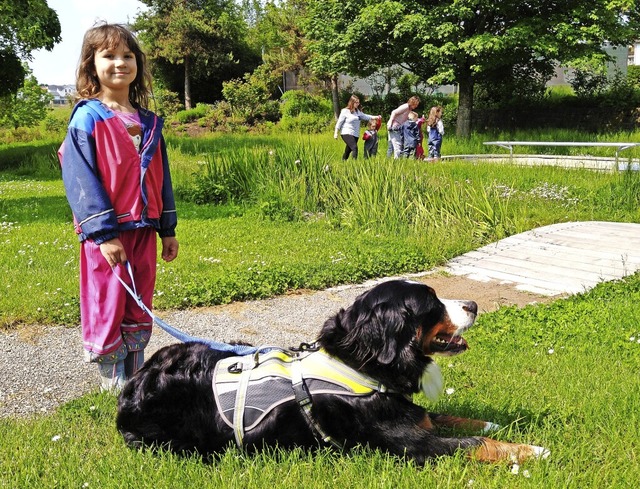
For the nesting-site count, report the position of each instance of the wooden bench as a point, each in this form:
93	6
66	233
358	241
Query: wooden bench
510	144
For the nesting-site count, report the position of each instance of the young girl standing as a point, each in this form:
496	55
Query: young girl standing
370	137
435	128
116	177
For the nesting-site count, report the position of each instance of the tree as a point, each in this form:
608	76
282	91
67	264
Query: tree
28	106
456	41
25	25
277	34
202	37
325	25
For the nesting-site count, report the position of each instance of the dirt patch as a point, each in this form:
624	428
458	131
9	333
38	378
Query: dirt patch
490	296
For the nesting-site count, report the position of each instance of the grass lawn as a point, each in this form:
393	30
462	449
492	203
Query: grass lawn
563	375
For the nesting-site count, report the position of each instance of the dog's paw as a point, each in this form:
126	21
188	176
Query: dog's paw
489	427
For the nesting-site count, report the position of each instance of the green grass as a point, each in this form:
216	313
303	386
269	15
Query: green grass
295	216
562	375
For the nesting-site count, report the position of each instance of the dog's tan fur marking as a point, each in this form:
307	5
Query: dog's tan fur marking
456	422
426	423
495	451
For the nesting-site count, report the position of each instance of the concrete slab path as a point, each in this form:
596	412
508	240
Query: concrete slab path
566	258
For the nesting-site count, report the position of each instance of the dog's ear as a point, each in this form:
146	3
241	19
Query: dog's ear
388	323
378	333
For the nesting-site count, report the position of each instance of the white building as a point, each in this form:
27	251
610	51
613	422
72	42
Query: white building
61	93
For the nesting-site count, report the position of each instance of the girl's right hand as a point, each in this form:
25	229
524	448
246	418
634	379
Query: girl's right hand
113	252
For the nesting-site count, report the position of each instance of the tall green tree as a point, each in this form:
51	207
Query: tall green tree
278	35
203	38
25	25
457	41
325	25
28	106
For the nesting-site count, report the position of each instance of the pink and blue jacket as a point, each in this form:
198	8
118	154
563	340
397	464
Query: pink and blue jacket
109	185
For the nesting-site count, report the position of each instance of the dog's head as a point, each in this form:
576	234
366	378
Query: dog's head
391	331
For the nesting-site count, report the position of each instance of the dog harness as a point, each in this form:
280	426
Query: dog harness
249	387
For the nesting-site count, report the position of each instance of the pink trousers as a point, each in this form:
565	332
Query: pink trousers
112	323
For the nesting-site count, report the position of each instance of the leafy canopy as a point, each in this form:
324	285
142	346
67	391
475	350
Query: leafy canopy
25	25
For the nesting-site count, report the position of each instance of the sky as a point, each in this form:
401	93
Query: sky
58	67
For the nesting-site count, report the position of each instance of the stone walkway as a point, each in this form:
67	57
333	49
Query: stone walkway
566	258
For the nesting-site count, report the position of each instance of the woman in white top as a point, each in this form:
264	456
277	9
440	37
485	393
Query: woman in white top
394	125
349	126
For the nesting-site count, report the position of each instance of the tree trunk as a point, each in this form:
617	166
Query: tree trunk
335	96
465	103
187	83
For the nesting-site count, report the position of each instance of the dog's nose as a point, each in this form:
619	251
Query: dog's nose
471	307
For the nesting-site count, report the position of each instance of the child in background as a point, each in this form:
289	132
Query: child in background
436	131
419	148
410	135
116	178
370	137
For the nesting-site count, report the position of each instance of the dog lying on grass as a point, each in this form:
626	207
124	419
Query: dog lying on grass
353	387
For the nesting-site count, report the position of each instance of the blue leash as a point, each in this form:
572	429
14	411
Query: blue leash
176	333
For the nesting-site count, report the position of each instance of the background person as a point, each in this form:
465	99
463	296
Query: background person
410	136
394	125
348	125
116	178
370	137
435	128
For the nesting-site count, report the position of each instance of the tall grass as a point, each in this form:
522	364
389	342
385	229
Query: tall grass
260	216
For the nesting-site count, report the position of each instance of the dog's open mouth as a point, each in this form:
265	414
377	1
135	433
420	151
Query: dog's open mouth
448	344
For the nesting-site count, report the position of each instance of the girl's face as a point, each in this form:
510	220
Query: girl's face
116	68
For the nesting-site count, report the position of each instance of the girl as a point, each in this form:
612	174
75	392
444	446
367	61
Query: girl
349	126
436	131
116	177
370	137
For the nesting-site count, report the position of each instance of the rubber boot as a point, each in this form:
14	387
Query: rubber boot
112	376
133	362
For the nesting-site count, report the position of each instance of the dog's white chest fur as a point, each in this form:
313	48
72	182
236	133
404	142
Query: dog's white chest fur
431	382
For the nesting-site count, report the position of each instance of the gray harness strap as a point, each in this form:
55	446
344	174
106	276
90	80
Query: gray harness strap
303	398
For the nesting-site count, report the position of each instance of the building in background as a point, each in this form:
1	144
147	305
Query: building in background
62	94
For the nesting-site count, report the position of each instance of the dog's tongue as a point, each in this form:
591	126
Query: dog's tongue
449	344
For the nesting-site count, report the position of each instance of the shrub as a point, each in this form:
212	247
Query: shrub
633	75
191	115
296	102
306	123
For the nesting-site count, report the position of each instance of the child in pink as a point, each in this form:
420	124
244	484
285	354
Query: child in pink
117	181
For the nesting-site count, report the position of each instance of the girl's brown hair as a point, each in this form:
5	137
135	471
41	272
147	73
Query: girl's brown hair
108	36
435	114
351	104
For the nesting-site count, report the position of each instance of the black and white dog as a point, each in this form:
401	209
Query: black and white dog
385	339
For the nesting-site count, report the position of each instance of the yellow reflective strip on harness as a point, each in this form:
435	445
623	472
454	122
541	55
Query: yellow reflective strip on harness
323	366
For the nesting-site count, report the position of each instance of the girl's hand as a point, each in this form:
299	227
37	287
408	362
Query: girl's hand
169	248
113	252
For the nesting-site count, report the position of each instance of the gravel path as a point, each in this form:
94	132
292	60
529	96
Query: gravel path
42	367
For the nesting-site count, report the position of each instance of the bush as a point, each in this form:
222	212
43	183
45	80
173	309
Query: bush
296	102
192	115
633	75
306	123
